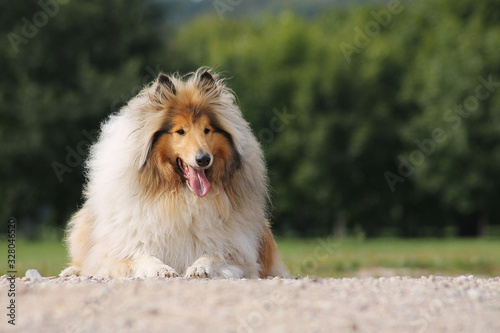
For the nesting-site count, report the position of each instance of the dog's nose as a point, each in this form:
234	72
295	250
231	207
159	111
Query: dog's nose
203	159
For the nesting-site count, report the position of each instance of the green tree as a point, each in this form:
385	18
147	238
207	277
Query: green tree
358	115
66	66
447	83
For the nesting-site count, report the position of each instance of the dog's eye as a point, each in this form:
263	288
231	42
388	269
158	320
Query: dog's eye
207	131
181	132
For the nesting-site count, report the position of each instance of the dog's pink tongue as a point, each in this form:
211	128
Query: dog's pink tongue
198	181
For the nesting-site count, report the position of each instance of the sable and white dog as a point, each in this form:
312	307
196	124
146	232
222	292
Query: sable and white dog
177	185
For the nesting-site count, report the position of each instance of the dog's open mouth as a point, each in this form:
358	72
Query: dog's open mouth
196	178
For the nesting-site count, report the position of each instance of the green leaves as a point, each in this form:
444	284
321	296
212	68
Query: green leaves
411	101
84	62
358	119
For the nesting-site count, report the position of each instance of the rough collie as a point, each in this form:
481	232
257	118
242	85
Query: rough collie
177	185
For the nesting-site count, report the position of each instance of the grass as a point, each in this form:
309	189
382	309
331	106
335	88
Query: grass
415	257
326	257
49	257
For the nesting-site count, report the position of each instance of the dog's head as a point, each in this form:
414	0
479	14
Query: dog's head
189	146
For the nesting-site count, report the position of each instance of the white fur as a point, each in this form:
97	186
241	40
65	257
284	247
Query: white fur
175	233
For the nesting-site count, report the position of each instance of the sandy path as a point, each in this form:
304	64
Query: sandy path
434	304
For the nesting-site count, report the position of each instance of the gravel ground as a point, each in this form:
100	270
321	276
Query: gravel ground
396	304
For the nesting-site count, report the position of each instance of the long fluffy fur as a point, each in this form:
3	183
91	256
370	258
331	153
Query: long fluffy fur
140	219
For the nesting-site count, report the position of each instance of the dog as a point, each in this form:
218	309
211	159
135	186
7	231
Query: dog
176	186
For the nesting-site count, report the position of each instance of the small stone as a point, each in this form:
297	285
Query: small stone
33	275
73	278
475	294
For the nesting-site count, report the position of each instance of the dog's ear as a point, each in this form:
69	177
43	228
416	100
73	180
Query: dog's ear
207	82
165	88
164	81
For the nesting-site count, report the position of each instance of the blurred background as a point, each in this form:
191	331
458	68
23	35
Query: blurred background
380	120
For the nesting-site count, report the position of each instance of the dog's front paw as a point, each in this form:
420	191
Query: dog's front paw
150	267
200	271
165	271
71	270
162	271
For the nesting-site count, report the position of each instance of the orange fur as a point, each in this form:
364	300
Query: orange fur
162	172
268	251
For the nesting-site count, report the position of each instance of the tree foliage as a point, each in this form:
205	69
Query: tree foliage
386	118
64	68
361	146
